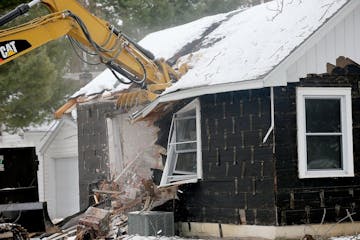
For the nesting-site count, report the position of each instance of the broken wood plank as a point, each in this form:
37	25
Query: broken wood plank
106	191
95	219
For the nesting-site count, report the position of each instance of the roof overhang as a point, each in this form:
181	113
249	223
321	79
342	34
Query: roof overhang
198	91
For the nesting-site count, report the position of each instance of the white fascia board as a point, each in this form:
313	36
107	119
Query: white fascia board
199	91
16	145
277	77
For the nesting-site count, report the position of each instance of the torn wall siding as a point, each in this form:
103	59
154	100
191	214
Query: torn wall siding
113	149
133	142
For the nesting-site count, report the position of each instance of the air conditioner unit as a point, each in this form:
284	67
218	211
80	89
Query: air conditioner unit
151	223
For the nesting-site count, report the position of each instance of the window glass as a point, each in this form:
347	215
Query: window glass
185	133
323	152
322	115
324	125
183	161
186	162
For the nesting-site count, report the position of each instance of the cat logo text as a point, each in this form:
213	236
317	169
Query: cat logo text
8	50
12	47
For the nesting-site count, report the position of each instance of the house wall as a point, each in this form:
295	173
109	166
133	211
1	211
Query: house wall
113	148
342	39
302	201
93	147
133	142
238	169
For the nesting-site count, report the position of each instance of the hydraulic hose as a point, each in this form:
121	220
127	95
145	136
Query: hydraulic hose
18	11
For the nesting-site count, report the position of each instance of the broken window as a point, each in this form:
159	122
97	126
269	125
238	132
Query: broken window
183	161
324	132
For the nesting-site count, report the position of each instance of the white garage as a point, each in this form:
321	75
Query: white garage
58	170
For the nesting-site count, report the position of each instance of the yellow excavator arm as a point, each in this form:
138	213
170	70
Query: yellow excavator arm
114	49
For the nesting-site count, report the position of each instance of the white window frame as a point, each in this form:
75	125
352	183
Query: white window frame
344	94
168	178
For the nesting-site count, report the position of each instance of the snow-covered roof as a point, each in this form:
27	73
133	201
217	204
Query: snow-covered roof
250	43
32	136
104	82
47	126
242	45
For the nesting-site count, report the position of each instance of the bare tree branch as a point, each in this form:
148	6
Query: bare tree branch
278	10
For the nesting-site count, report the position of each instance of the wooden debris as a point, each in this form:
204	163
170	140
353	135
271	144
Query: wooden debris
343	66
94	224
344	61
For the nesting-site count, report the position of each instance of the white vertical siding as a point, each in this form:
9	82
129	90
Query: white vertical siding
62	144
49	185
342	40
65	144
66	186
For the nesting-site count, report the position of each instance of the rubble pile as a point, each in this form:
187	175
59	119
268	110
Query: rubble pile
107	218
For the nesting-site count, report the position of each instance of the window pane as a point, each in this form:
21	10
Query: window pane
323	152
186	162
189	113
322	115
185	131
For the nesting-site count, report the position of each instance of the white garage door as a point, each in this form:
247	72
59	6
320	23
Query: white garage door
67	186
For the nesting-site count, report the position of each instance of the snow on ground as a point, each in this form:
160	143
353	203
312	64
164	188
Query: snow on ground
354	237
136	237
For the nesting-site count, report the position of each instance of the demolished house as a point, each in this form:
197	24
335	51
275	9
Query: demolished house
232	134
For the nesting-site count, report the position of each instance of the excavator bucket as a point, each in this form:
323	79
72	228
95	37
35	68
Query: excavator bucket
32	216
130	99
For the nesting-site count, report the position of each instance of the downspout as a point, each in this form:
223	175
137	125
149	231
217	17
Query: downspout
271	128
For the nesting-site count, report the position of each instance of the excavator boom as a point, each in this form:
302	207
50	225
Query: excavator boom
114	49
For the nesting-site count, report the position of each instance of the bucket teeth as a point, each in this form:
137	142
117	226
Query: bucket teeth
130	99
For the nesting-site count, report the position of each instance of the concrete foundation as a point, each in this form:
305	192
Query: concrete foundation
204	230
